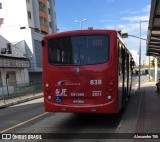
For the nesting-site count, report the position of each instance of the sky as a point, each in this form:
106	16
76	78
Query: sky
122	15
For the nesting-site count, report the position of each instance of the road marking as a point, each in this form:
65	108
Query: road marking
8	129
140	118
119	126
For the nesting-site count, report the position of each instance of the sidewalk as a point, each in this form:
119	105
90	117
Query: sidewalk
149	114
142	114
18	100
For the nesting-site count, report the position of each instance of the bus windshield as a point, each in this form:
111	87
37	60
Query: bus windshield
78	50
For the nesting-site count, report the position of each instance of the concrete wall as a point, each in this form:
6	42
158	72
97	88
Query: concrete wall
22	79
22	76
35	77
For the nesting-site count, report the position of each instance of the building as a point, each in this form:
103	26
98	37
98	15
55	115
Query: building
13	66
135	56
26	22
36	14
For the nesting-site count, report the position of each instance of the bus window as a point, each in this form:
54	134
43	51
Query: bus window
78	50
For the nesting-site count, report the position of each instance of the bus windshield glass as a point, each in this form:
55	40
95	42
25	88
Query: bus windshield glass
78	50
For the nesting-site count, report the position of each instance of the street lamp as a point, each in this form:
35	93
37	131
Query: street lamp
140	53
126	35
77	21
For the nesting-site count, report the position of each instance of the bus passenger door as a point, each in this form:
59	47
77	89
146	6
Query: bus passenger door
122	76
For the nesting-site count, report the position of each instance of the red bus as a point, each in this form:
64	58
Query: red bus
86	71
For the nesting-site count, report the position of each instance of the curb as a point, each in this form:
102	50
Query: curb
20	101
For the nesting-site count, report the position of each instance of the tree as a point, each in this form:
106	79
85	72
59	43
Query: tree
153	62
158	60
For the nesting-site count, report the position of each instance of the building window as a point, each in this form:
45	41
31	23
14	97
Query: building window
0	5
12	78
1	21
42	6
38	53
50	25
29	15
1	84
49	11
43	21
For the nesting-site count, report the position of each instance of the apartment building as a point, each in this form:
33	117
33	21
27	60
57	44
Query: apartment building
42	15
28	21
36	14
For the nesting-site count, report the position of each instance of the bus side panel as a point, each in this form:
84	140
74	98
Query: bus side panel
125	74
120	75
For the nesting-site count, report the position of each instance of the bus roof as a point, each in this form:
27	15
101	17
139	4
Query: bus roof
81	32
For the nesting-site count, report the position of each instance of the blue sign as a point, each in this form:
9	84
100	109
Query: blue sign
58	99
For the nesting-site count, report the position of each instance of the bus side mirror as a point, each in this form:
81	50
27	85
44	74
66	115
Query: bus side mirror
132	64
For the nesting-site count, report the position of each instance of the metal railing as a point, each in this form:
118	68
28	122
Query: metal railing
19	90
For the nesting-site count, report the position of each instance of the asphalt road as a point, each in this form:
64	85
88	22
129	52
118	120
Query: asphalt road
20	119
30	118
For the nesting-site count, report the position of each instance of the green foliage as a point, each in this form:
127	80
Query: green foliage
158	60
153	62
